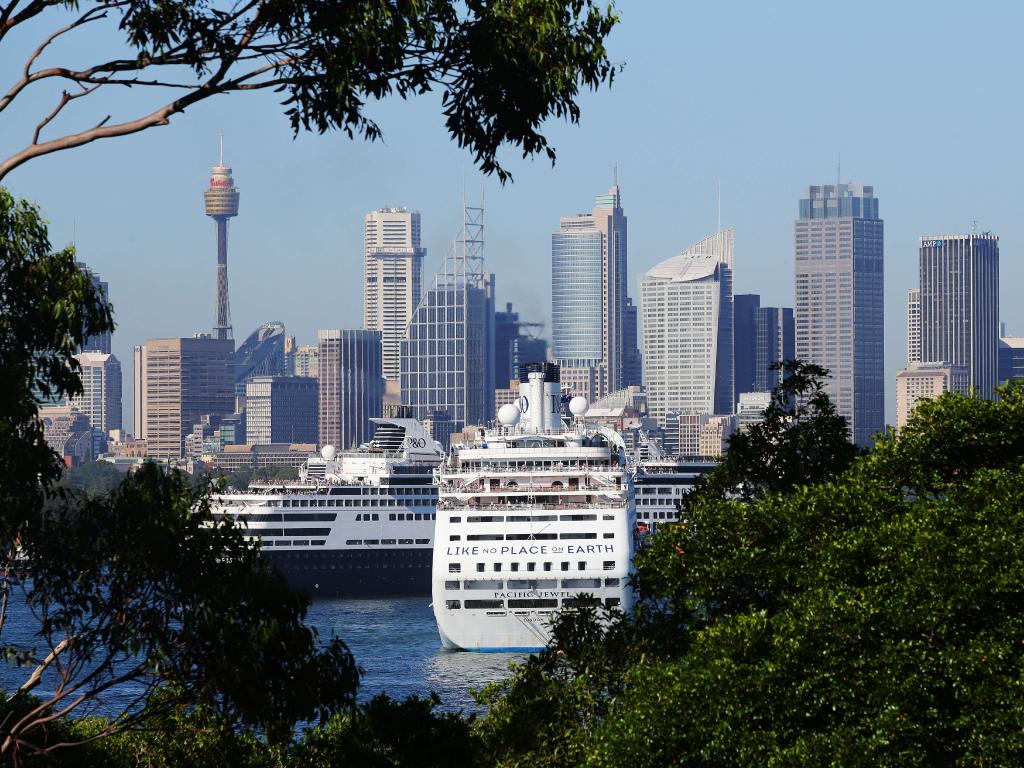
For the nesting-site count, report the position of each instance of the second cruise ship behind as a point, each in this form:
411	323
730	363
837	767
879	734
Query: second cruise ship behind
534	516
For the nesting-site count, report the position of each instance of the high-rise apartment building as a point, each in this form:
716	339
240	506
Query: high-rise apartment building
100	400
745	307
182	380
914	325
351	386
686	305
776	343
392	276
924	381
281	409
959	290
306	361
588	298
99	342
447	355
839	311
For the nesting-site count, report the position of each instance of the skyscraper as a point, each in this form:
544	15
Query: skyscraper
281	409
221	199
686	305
514	346
306	361
447	355
745	307
839	300
99	342
914	325
100	400
1011	358
182	379
633	364
959	292
775	344
261	354
588	297
924	381
351	386
392	277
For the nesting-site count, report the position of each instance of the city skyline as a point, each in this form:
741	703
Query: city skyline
305	197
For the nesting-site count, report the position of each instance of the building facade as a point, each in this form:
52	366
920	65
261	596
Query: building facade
745	340
351	386
687	310
924	381
100	400
306	361
99	342
392	277
183	380
776	343
281	409
447	355
839	311
1011	358
589	309
913	326
959	293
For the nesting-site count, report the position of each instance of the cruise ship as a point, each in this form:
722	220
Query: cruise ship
533	516
356	523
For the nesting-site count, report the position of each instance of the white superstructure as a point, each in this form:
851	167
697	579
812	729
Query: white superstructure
531	515
356	523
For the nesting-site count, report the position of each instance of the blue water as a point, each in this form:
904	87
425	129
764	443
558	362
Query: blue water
394	641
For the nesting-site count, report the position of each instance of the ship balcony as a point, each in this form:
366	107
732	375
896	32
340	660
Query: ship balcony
476	502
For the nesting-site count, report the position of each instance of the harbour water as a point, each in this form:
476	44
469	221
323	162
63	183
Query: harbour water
394	641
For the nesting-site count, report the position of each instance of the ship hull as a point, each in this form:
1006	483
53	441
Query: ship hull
356	572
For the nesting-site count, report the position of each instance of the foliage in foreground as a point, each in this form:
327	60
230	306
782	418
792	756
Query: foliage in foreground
874	618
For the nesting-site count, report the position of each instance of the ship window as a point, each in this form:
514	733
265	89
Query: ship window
580	583
485	537
517	518
497	567
387	541
486	519
609	517
422	541
372	541
480	567
405	541
581	565
578	517
419	516
515	566
547	566
531	536
454	567
531	566
485	603
483	583
391	516
376	517
609	535
544	518
532	603
578	536
301	542
609	565
455	537
612	602
452	584
565	566
532	584
318	542
454	519
578	602
452	605
353	542
611	582
286	503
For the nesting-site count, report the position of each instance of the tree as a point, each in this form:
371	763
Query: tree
892	636
141	586
94	477
502	67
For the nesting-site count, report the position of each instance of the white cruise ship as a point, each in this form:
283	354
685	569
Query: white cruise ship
661	483
356	524
531	514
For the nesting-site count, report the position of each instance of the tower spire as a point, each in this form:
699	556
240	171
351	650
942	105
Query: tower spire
718	223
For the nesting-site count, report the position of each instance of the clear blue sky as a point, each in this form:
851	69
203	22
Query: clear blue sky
922	100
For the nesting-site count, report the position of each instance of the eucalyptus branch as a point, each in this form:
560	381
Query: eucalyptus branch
64	100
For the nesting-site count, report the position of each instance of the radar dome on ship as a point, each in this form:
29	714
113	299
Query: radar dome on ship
579	405
328	452
508	415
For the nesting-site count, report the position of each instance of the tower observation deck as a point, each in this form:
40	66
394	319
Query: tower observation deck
222	204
